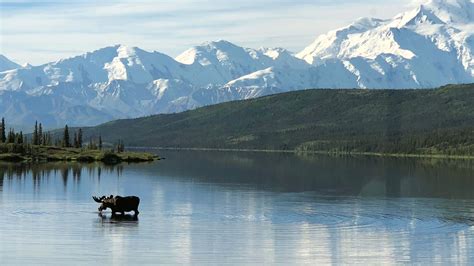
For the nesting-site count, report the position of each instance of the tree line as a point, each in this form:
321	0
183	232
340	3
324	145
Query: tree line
19	142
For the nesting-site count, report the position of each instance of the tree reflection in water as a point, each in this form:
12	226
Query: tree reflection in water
40	172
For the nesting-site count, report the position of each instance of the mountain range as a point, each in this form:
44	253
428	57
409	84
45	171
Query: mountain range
427	47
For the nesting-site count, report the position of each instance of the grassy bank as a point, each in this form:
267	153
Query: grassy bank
52	154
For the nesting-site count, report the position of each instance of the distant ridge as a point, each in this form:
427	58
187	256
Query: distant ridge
7	64
435	122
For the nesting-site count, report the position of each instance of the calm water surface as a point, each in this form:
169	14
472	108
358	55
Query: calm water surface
241	208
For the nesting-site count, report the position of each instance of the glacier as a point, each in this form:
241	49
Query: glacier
429	46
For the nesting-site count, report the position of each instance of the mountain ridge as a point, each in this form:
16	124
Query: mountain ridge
426	47
7	64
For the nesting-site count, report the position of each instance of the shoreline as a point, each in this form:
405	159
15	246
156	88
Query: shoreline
368	154
50	154
57	154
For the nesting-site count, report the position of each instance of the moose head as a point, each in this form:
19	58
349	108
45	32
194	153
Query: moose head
106	202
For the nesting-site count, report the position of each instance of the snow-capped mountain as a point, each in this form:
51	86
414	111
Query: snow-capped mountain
121	81
7	64
426	47
429	46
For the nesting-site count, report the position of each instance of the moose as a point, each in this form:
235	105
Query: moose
118	204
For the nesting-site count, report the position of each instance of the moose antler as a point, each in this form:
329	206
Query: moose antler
98	200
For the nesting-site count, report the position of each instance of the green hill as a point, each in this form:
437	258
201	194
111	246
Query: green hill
438	121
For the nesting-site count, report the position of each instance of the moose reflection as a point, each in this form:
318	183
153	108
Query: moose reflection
119	204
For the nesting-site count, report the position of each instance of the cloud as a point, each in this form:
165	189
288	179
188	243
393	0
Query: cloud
42	31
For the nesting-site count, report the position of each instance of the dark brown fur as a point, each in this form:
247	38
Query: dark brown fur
119	204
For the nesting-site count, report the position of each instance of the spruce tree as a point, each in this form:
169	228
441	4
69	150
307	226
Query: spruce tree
11	136
92	145
40	134
100	142
120	146
76	142
35	134
79	138
19	138
47	139
66	140
3	135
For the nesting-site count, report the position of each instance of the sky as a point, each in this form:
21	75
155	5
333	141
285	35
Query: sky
38	32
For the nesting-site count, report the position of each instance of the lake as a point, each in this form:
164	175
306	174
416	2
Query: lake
241	208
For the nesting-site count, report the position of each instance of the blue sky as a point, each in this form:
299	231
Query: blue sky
42	31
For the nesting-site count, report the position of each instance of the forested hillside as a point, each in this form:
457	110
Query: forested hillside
438	121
